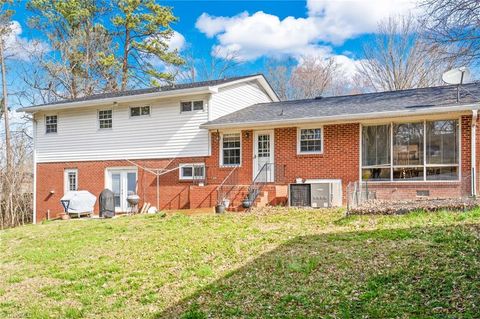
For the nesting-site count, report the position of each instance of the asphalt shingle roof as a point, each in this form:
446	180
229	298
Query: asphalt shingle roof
172	87
403	100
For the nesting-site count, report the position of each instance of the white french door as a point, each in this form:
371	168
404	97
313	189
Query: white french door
263	153
122	182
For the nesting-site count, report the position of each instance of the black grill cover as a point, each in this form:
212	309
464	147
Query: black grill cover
107	204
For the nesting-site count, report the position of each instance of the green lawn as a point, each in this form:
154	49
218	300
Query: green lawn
291	264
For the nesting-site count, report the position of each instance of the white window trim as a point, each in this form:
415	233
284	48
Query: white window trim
45	123
193	177
191	104
299	129
66	180
141	115
424	165
221	150
98	120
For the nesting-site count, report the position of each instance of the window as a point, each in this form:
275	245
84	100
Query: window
51	122
310	141
105	119
139	111
192	171
419	151
231	149
71	180
198	105
442	150
188	106
408	139
376	152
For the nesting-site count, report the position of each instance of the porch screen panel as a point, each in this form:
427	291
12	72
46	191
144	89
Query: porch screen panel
408	139
376	152
442	150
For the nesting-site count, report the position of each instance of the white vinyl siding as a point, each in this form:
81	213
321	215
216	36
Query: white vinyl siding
236	97
166	133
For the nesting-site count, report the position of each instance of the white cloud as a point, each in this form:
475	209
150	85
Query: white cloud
344	19
177	41
21	48
211	26
348	65
328	23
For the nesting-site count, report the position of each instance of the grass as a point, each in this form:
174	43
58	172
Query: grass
290	264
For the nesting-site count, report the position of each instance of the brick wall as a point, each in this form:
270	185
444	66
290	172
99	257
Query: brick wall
340	160
174	194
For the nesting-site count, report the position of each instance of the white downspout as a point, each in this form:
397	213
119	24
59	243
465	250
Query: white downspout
34	125
473	152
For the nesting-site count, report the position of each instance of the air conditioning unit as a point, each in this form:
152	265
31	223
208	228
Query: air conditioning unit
321	193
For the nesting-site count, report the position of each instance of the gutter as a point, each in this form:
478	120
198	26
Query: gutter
120	99
473	151
342	118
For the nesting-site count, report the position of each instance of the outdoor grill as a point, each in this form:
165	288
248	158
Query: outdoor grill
133	200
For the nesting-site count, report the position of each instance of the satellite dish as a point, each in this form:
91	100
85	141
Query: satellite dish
456	76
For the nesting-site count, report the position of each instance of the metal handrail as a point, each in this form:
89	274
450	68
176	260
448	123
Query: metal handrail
258	183
231	178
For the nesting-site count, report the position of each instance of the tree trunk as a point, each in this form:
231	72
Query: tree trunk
7	180
8	150
125	59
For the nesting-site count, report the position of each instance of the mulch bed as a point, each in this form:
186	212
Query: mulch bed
383	207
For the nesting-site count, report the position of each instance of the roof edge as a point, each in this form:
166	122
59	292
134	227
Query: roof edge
347	117
118	99
147	96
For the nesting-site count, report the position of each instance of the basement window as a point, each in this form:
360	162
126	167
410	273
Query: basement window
51	123
140	111
192	171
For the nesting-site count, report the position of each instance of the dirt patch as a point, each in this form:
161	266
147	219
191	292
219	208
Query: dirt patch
382	207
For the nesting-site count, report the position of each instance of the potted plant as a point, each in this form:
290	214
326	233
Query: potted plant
222	205
248	201
220	208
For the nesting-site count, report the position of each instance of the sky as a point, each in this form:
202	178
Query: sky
262	30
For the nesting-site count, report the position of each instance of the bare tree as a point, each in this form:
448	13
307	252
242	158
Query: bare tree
311	77
16	196
217	66
398	58
454	26
279	75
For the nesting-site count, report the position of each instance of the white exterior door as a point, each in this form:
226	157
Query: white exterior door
263	154
122	182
